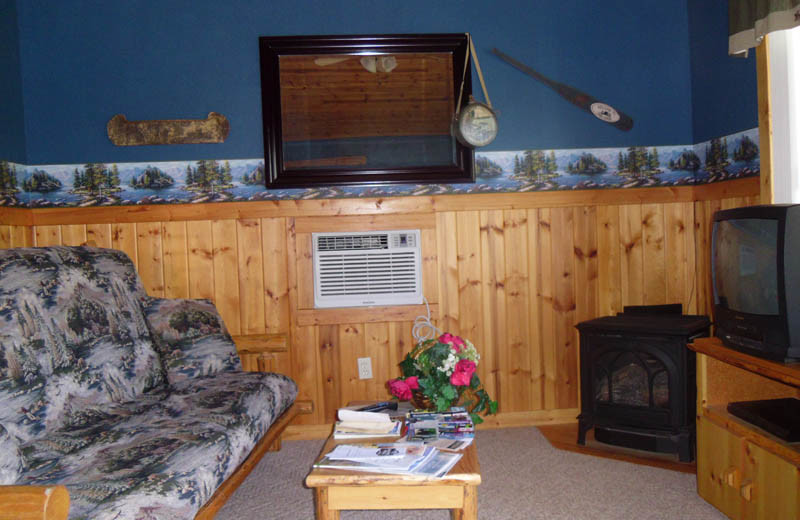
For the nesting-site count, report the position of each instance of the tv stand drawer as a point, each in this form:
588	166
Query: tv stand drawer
743	480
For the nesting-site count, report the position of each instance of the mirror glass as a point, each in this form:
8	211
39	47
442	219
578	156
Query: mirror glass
363	109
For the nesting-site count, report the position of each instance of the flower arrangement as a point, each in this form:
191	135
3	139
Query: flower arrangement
442	370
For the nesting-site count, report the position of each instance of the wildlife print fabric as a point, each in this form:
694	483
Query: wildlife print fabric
191	338
72	336
163	455
137	424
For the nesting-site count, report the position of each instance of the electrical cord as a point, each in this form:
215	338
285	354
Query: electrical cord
423	328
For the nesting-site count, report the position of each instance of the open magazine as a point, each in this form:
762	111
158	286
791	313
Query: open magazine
392	458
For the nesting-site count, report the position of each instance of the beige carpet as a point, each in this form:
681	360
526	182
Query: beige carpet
523	478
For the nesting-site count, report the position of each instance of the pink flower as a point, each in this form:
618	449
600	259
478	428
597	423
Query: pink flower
462	374
454	341
399	389
412	382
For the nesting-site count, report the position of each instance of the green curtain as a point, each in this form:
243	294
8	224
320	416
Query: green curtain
750	20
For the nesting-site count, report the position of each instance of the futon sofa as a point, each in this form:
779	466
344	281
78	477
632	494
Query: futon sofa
137	405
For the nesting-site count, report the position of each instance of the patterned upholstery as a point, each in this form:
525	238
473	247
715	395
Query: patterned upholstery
12	462
138	405
162	456
190	338
72	335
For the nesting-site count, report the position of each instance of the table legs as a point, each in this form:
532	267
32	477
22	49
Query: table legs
324	512
470	509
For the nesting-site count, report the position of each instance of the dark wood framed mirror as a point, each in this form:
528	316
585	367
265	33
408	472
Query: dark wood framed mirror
364	109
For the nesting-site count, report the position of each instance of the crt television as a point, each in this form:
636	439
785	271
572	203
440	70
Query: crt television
755	270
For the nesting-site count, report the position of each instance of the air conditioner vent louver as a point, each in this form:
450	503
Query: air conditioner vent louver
364	269
352	242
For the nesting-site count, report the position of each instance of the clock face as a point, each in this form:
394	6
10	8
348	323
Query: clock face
604	112
477	125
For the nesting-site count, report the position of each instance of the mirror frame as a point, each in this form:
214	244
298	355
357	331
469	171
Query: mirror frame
279	176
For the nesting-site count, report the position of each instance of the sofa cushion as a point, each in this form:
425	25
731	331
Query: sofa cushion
12	462
191	338
72	336
164	455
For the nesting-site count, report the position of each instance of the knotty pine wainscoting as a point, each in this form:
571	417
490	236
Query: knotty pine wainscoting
512	272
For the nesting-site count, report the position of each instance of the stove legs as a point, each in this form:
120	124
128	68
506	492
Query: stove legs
583	427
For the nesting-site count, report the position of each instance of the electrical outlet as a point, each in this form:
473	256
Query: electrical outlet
364	368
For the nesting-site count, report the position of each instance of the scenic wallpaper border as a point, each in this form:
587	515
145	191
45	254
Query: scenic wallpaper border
179	182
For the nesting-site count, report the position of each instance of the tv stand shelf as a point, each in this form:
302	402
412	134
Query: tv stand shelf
788	373
743	470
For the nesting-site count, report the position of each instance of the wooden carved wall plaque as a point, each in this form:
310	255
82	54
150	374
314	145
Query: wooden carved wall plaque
213	129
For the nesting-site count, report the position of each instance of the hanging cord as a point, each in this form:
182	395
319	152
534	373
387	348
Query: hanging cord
423	328
480	74
464	75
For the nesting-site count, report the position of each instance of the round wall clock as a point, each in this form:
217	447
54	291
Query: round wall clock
475	125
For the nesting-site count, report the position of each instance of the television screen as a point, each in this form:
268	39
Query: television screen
745	265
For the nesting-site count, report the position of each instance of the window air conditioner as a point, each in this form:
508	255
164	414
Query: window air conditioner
365	269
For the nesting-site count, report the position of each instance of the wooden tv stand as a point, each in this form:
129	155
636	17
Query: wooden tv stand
742	470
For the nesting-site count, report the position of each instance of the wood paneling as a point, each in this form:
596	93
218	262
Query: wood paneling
16	236
516	363
509	273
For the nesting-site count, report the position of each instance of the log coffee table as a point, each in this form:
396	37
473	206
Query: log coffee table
336	489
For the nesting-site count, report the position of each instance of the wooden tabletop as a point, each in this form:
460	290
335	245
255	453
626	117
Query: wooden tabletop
466	471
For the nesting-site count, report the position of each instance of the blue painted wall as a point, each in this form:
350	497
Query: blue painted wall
12	118
82	62
724	89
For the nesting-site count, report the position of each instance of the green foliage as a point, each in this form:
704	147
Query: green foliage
186	320
95	177
86	315
8	177
587	163
41	181
717	154
746	150
688	160
638	161
433	361
254	177
226	176
408	367
487	168
534	164
113	178
653	160
152	178
206	175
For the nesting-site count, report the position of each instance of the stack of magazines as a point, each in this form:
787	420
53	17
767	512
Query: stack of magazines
358	424
394	458
452	430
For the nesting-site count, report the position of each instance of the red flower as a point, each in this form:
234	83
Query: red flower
454	341
463	373
412	382
400	389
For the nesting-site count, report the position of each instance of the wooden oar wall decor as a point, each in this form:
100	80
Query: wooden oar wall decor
213	129
582	100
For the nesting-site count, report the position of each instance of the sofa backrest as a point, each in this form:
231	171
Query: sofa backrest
191	338
72	336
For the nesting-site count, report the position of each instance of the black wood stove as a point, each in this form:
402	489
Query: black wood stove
638	379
